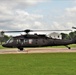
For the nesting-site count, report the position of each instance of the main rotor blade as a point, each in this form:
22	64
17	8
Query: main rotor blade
12	31
53	30
28	30
74	27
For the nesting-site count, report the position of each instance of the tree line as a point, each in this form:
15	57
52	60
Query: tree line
71	35
4	39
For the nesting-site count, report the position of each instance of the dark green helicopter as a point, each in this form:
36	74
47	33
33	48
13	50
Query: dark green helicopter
35	40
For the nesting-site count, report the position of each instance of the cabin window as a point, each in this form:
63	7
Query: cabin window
30	41
36	41
17	41
21	40
25	40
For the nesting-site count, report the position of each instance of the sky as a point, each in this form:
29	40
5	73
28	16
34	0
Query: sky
37	14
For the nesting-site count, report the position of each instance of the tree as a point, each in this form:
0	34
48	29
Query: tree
4	39
72	34
65	36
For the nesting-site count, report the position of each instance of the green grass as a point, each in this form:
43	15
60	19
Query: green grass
1	47
38	64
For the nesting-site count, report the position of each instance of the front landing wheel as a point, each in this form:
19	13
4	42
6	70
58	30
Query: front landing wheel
21	48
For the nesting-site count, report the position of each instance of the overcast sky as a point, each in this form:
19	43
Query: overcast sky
37	14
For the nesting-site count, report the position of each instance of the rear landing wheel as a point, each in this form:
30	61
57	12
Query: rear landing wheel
68	47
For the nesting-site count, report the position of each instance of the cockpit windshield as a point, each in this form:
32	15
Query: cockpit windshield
10	40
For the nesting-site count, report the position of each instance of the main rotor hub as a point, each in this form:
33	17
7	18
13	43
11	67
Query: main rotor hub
27	31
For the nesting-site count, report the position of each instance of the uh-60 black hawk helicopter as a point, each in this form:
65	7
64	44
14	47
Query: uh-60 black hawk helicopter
35	40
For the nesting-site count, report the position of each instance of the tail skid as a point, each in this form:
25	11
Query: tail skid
68	47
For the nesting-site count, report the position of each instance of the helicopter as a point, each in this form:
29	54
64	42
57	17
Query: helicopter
35	40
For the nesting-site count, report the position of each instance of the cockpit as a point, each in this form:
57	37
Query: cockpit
15	42
9	43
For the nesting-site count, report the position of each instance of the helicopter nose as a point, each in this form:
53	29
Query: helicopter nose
7	45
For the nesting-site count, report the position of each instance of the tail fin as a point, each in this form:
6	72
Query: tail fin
74	40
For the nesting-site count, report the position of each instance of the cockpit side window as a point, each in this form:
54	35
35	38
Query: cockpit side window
10	40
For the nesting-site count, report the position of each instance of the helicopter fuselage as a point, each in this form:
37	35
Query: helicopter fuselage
35	41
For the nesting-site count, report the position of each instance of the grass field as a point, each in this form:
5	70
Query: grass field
38	64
